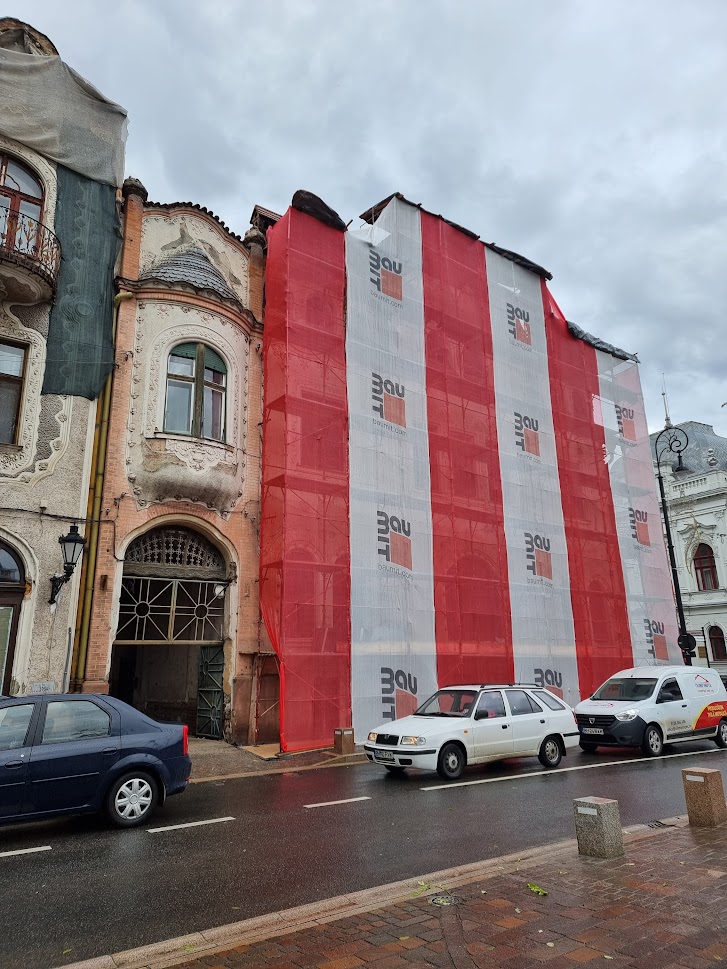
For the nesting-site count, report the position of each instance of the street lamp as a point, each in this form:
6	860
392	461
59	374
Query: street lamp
72	548
674	440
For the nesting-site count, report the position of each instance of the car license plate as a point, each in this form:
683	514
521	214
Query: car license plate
592	729
383	754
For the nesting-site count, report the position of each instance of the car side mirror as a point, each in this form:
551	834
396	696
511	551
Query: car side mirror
482	715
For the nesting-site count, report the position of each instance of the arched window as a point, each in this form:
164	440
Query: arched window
196	391
716	641
705	569
21	205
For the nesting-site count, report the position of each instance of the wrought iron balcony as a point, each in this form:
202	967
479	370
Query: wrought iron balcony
30	259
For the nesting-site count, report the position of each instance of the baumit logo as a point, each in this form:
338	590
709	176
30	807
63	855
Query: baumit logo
385	274
527	437
398	693
537	554
518	321
626	423
656	640
389	400
394	537
639	526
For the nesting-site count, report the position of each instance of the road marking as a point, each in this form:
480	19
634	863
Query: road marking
189	824
565	770
24	851
348	800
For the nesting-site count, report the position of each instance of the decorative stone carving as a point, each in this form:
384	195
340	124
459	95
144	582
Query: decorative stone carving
169	467
198	455
692	533
12	463
161	233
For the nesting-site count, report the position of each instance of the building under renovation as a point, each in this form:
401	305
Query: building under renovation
302	475
457	483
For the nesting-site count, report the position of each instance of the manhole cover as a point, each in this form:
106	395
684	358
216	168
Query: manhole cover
445	899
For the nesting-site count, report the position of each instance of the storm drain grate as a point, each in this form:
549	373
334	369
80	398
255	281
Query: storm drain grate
658	824
447	899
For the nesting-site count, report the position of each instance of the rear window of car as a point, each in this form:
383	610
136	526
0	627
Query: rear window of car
14	723
67	720
629	688
521	703
549	700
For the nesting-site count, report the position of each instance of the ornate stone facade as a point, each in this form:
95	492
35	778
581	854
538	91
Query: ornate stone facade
184	280
697	504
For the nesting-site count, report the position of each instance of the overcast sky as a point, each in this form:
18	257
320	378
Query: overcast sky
589	136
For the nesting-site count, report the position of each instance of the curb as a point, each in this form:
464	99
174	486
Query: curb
175	952
346	760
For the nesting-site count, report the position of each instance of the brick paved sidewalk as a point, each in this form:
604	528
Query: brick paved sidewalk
662	906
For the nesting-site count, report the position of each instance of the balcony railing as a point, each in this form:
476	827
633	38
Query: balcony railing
30	244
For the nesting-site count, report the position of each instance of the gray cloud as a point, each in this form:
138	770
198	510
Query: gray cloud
591	137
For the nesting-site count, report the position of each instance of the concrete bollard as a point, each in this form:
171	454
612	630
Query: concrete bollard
343	741
704	793
598	827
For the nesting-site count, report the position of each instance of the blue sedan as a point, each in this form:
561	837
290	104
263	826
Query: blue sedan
77	753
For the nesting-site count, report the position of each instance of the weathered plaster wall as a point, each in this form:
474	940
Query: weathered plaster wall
49	466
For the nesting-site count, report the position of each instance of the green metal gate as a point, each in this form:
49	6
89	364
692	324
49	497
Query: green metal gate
210	696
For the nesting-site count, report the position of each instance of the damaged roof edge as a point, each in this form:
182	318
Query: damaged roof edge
594	341
314	206
372	214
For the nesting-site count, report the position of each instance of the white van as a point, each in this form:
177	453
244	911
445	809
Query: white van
650	706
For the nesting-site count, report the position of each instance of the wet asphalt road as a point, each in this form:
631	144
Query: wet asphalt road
99	890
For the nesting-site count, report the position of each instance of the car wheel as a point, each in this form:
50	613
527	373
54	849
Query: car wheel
721	738
550	752
653	742
392	769
588	748
132	799
451	762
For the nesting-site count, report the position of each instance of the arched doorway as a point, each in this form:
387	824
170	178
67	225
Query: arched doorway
168	655
12	590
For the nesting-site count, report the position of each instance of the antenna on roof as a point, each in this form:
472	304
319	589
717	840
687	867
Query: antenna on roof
667	419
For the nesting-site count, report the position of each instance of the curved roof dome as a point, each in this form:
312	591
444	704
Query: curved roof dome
189	265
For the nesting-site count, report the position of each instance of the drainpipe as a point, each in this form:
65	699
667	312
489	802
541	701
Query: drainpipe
98	469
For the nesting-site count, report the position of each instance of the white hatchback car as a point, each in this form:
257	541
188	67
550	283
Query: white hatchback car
463	725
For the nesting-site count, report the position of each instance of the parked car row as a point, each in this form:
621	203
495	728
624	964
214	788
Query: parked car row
70	754
643	707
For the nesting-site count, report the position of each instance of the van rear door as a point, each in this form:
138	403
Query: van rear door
707	698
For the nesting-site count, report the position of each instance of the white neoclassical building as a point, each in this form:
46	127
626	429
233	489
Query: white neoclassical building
696	497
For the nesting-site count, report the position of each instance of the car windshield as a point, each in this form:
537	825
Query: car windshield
448	703
626	689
